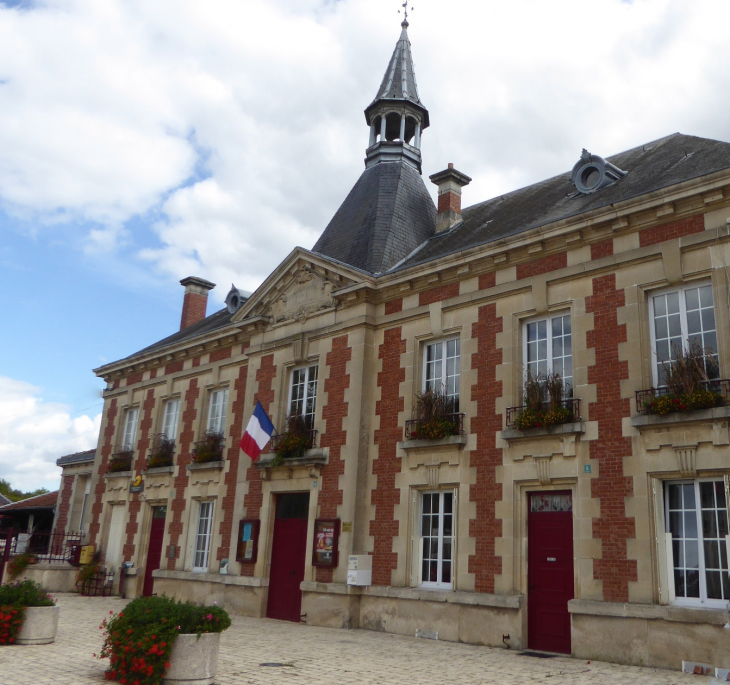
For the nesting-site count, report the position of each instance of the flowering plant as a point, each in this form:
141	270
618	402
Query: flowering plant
18	564
138	641
701	398
14	598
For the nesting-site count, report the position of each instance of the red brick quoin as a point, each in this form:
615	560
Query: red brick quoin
106	451
254	499
611	487
394	306
330	496
64	505
187	436
143	445
234	455
386	496
486	492
602	249
672	230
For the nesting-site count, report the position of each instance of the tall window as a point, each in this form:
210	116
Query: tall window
681	319
217	410
437	537
130	428
696	516
202	537
303	393
87	492
442	365
172	414
549	347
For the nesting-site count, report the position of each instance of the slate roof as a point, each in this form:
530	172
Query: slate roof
659	164
399	81
76	458
47	501
386	215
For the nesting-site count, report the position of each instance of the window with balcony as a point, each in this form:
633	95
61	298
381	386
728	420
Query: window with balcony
436	542
696	516
217	410
442	368
303	394
681	320
170	419
548	347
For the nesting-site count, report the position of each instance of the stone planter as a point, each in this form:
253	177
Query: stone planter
194	660
39	626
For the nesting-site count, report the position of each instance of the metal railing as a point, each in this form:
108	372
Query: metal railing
121	459
49	548
162	452
100	584
310	435
210	448
413	425
573	404
644	397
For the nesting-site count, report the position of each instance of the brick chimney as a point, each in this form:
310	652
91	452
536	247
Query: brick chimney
450	182
195	303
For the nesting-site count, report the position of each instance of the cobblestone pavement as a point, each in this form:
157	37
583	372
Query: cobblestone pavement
315	655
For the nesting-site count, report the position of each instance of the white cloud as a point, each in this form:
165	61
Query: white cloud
34	433
235	129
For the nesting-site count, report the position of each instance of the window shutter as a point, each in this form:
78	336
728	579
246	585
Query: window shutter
659	540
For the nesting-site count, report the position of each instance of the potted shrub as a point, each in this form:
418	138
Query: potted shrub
162	452
159	640
28	614
294	441
210	448
434	415
688	385
121	461
544	403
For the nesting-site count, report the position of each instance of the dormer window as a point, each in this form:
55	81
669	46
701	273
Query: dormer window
591	173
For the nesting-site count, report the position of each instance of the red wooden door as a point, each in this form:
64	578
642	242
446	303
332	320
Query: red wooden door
550	571
288	555
154	549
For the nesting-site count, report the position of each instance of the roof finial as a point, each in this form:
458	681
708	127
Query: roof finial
405	24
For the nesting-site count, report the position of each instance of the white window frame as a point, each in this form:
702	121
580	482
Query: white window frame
129	433
550	359
170	425
443	364
684	335
702	600
439	584
307	368
218	399
201	554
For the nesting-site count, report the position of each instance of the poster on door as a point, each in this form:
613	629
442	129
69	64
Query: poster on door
326	537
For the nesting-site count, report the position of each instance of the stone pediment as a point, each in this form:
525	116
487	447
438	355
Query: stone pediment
298	289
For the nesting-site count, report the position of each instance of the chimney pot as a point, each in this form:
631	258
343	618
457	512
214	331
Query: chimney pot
195	303
449	182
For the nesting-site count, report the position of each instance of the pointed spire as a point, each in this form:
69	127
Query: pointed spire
399	81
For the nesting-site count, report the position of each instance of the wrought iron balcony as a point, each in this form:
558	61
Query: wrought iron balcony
435	429
210	448
713	393
572	414
162	452
121	458
309	439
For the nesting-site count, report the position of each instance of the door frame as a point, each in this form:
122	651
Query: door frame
521	509
271	521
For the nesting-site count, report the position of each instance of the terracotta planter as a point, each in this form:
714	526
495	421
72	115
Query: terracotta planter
39	626
194	660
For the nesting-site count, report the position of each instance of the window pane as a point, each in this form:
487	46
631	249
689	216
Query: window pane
693	584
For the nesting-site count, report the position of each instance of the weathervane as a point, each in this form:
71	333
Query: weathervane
405	11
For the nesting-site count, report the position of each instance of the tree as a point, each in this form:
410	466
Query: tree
16	495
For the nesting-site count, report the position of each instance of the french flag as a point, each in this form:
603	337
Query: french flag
258	433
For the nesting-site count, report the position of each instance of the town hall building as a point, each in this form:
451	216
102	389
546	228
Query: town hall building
482	432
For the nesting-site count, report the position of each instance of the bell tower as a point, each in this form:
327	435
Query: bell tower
396	116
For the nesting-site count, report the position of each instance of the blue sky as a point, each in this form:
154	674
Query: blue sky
144	142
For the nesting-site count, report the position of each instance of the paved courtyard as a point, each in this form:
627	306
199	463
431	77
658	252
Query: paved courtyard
314	655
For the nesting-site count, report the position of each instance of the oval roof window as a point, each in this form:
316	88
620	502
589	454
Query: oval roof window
591	173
